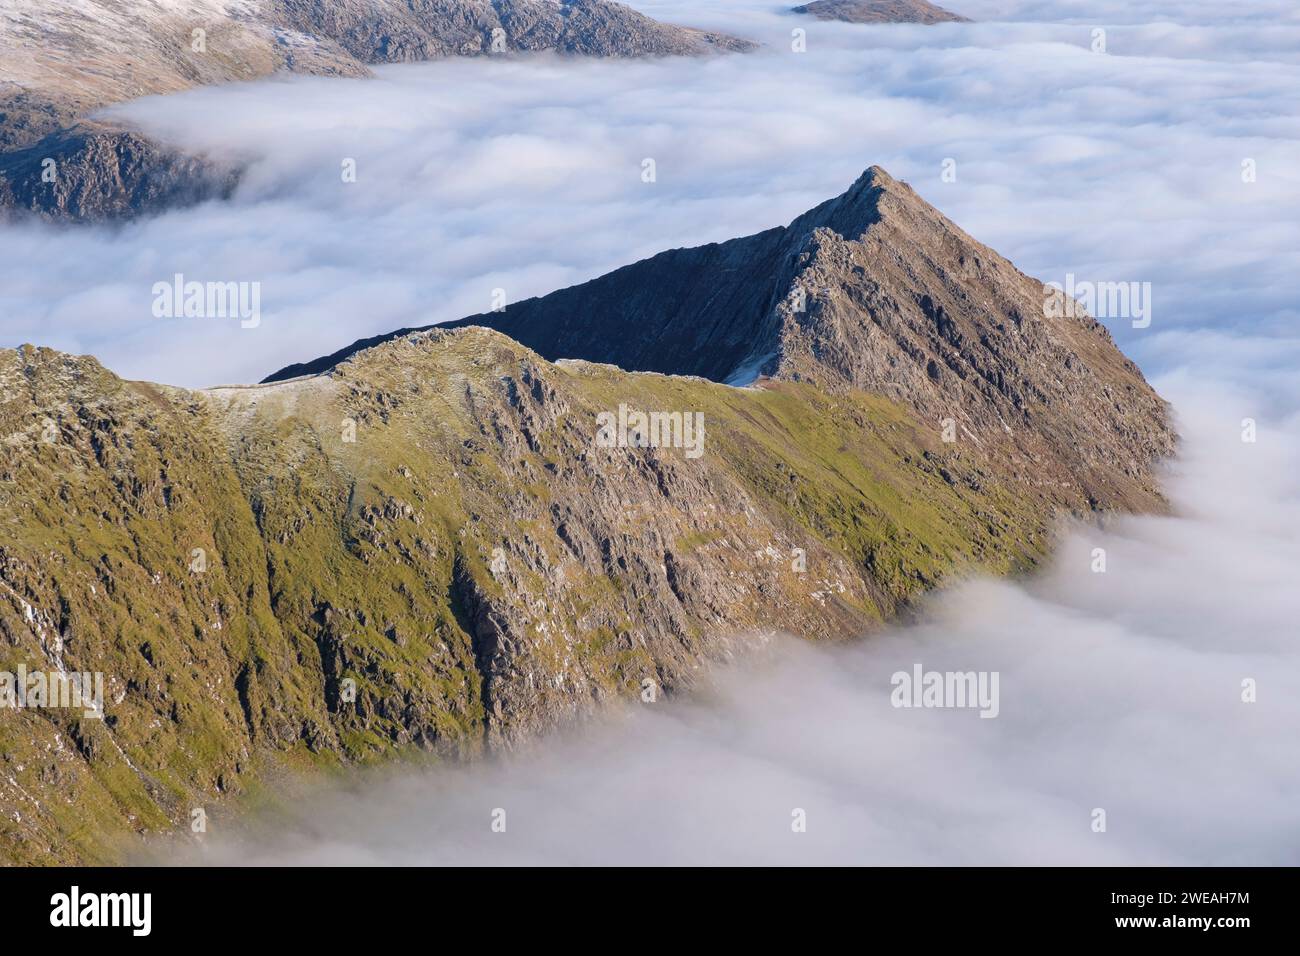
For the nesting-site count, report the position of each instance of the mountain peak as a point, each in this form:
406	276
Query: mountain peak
762	257
853	211
874	290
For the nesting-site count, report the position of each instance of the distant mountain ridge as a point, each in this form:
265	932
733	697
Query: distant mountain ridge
62	59
880	11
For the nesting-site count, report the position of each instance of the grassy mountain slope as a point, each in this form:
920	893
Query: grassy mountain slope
474	561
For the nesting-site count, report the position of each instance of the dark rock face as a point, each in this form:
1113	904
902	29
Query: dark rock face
666	314
880	11
90	172
875	291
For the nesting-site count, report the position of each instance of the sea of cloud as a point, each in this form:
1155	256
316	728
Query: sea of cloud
526	175
1119	691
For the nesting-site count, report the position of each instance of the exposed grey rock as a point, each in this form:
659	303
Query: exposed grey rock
393	31
94	172
26	116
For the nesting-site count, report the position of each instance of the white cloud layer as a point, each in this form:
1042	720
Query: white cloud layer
1119	691
526	175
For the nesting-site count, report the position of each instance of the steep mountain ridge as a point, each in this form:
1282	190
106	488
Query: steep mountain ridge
875	290
474	562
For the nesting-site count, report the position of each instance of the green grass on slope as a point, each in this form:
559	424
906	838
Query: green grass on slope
332	561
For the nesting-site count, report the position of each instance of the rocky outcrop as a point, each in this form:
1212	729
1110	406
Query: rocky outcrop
96	172
880	11
63	61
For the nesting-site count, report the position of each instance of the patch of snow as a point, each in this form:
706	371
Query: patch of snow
748	371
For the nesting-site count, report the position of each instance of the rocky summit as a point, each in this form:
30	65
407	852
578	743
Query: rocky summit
875	291
456	539
60	60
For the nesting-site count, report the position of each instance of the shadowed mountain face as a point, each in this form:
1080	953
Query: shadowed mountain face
873	290
67	58
880	11
440	545
92	172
